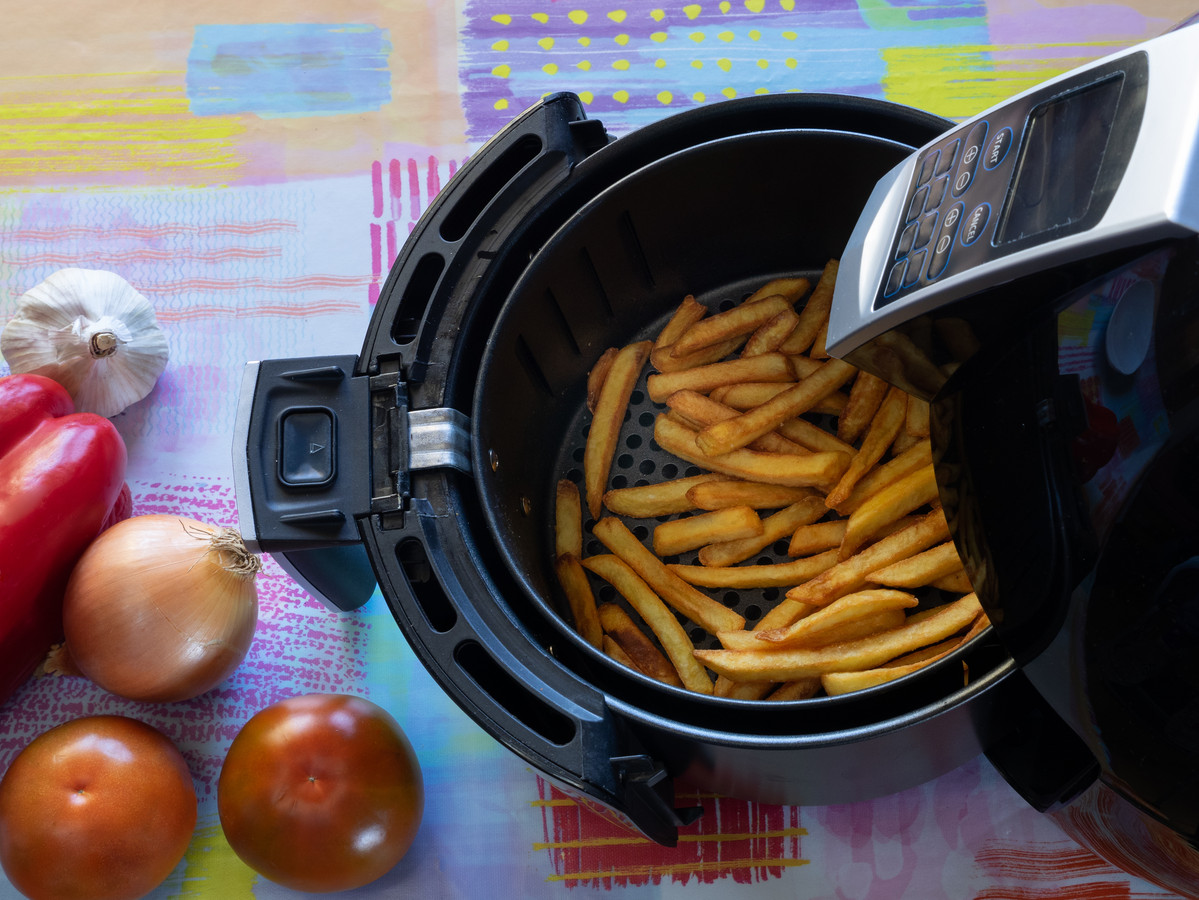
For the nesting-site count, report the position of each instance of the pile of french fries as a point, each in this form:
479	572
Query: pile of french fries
858	507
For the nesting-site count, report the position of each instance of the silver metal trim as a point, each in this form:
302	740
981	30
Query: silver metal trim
438	438
241	450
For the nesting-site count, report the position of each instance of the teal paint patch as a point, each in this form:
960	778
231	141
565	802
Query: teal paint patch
288	70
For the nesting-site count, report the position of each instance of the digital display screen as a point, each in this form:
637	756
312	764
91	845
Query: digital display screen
1055	177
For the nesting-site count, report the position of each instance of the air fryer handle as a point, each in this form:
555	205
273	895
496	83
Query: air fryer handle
301	450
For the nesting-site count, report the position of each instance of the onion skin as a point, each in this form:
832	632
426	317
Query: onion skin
155	611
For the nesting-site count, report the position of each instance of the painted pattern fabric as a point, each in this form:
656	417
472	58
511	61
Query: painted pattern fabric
254	170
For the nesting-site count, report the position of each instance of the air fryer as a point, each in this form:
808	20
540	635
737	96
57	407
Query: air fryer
441	442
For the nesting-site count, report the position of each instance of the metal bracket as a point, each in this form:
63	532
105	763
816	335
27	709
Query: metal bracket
438	438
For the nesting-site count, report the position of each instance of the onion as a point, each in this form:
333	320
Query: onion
161	608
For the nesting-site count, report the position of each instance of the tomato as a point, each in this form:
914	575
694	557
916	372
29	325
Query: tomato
321	792
100	807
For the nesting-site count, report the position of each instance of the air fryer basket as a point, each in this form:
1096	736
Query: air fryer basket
715	221
448	432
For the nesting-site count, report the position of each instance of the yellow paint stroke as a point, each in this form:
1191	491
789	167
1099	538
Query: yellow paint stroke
1073	324
715	865
960	81
97	131
631	839
577	16
212	869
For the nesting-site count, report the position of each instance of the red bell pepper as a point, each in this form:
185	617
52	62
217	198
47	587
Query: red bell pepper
62	479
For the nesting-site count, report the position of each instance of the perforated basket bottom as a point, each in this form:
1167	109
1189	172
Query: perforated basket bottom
640	461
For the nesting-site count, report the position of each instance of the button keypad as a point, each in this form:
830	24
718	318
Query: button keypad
949	205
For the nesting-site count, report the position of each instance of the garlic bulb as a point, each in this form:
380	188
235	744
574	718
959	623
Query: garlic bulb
90	331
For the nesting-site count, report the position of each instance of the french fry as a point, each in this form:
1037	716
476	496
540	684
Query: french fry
852	629
801	689
791	288
774	528
954	583
723	494
745	395
803	365
597	375
701	411
815	311
784	613
744	690
845	609
607	420
904	441
692	532
893	502
865	397
850	574
819	351
815	469
568	519
897	358
616	653
835	683
685	315
883	427
918	418
619	626
850	656
578	592
664	498
654	613
805	542
926	654
732	434
762	576
767	367
915	457
923	568
817	537
771	333
701	609
813	437
662	361
743	319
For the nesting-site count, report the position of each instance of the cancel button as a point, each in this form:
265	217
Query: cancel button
975	223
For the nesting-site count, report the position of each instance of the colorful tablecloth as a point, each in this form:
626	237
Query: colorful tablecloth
253	170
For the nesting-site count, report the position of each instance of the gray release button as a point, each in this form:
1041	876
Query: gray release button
306	447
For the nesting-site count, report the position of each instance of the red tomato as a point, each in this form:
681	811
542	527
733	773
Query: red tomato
321	792
100	807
